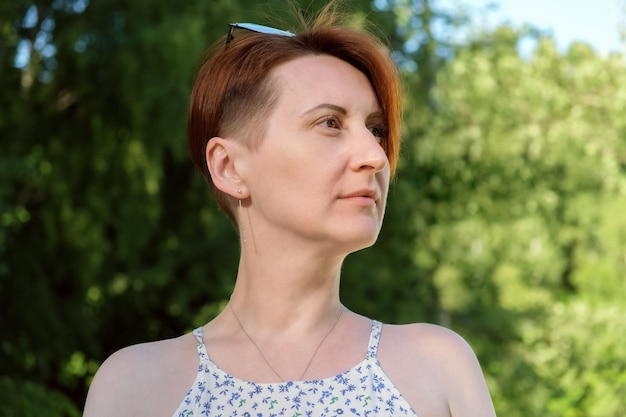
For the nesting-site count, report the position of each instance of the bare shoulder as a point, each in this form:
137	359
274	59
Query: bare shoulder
435	369
155	374
436	342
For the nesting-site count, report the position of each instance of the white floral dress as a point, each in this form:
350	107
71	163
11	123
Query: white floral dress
363	390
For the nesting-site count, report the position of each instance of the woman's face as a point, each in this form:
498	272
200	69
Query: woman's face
320	174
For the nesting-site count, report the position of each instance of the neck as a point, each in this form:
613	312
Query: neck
286	294
263	356
284	311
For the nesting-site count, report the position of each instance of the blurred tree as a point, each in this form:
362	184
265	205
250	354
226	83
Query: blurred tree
524	218
101	211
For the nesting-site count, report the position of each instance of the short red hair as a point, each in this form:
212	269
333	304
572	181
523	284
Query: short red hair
233	92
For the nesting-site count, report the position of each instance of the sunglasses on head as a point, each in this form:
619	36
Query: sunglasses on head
253	27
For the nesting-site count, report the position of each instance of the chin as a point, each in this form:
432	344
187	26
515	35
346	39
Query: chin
359	242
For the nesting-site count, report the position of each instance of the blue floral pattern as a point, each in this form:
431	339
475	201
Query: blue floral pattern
364	390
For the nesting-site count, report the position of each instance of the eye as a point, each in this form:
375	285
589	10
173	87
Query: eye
380	132
331	122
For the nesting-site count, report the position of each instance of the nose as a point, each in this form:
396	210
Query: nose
368	154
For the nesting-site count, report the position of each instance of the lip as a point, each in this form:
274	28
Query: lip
364	195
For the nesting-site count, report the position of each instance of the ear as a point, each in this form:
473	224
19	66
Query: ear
221	156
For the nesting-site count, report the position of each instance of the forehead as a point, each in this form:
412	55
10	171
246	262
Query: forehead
323	78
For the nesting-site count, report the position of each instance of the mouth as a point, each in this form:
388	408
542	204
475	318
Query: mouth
364	195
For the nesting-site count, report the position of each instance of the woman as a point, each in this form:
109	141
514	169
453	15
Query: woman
297	136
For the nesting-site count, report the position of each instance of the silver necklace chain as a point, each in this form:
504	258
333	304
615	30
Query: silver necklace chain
265	359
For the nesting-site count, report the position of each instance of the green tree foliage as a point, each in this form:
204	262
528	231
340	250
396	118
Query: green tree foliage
524	220
101	212
505	222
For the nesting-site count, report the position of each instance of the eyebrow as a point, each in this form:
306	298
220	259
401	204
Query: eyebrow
334	107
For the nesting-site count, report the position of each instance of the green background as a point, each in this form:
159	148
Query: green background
506	222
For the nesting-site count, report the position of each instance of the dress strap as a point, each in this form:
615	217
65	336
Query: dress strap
372	347
202	353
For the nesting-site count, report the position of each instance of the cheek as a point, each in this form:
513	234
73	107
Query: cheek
383	179
307	167
285	179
